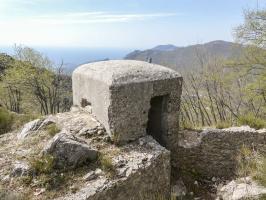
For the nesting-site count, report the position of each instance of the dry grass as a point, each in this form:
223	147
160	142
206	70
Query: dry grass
252	121
223	124
52	129
251	163
6	121
106	164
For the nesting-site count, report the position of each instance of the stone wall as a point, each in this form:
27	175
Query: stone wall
213	152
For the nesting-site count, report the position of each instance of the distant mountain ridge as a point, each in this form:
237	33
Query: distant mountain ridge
168	47
187	57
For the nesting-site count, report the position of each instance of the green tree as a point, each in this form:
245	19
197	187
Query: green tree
253	63
33	82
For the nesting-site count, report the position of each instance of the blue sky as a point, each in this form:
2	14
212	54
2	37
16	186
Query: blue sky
119	23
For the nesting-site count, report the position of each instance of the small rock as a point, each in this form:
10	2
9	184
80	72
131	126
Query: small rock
90	176
179	189
120	163
69	151
122	172
49	120
73	188
243	188
20	169
107	139
29	127
100	132
98	171
213	179
39	191
85	132
5	178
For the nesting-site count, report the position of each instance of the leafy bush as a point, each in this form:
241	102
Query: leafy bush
6	120
252	121
52	129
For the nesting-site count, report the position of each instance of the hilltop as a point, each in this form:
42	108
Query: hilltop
187	57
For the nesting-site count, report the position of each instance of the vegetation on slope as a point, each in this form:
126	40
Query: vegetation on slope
231	92
32	84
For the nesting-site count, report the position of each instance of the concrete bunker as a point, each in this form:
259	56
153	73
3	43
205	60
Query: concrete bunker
131	98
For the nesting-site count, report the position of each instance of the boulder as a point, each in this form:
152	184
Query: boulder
69	151
243	188
47	121
29	128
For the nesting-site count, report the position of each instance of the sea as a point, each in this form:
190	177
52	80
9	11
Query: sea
72	57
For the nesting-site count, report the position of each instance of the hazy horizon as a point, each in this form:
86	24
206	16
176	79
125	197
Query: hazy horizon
127	24
73	56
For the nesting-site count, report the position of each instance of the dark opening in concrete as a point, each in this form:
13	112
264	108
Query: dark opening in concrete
156	126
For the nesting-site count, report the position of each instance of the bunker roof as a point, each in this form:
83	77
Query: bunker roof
118	72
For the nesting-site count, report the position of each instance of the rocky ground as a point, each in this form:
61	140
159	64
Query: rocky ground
69	156
210	162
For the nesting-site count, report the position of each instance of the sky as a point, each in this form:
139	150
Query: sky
136	24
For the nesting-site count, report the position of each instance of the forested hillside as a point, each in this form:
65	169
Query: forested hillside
187	58
30	83
224	82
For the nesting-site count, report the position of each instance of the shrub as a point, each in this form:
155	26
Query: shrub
251	163
6	121
116	138
51	181
260	173
42	165
107	164
187	125
246	162
252	121
21	119
223	124
52	129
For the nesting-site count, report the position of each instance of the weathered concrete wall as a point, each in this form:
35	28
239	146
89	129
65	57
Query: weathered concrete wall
120	93
213	152
130	104
95	92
